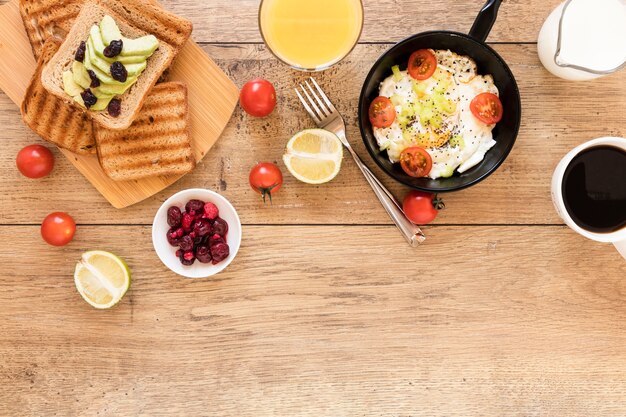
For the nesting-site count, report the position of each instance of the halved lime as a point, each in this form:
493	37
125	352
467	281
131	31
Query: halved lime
101	278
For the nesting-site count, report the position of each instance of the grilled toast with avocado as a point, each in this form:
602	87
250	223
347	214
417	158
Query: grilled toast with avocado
157	143
47	115
152	45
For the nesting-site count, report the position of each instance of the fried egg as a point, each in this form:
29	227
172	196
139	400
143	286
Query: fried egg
435	114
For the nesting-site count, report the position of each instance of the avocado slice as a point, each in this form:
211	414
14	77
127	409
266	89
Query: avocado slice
135	69
97	46
81	77
69	85
109	30
95	60
144	46
101	94
102	76
100	105
105	67
116	89
79	100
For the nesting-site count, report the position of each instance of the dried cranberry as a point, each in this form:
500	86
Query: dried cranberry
118	72
180	232
186	243
114	49
174	216
187	221
202	227
203	254
211	211
220	227
89	98
172	237
188	258
80	52
219	252
215	239
115	107
95	82
196	206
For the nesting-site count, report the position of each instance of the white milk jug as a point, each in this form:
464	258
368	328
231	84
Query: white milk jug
584	39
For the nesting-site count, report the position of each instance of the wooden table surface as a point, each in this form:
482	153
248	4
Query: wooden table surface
326	311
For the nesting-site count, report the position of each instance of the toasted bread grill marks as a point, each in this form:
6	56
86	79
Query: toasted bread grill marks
49	117
45	18
157	143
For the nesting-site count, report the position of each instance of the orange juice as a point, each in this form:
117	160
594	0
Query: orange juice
311	34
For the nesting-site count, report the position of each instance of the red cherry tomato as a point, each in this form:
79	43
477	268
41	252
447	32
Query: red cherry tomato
416	161
58	229
266	179
487	108
258	97
422	208
422	64
35	161
382	112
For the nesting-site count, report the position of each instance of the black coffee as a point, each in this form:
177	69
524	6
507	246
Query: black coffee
594	189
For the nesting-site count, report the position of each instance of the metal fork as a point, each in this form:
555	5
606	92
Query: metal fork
327	117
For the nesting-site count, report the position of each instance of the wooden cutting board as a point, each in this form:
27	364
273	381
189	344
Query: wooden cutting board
212	99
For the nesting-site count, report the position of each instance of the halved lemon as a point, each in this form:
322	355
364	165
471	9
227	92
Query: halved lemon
314	156
101	278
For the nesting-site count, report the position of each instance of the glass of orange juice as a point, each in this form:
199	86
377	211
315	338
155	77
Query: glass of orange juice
311	35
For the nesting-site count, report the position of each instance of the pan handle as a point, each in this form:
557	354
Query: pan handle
485	20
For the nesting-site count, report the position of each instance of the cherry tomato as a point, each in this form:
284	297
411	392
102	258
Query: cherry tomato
422	208
58	229
266	179
35	161
382	112
416	162
258	97
422	64
487	108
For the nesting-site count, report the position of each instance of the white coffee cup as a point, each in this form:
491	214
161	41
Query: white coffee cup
618	238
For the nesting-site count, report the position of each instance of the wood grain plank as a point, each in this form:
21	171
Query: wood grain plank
385	20
557	115
505	321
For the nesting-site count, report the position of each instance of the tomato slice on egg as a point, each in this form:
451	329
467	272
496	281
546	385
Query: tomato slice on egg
382	113
416	161
422	64
487	108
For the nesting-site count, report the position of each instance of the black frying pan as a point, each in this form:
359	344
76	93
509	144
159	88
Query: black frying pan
488	61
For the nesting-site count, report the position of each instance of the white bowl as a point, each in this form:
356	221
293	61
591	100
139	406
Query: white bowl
167	253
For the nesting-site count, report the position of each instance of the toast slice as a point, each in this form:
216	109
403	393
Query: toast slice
157	143
65	126
91	14
45	18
